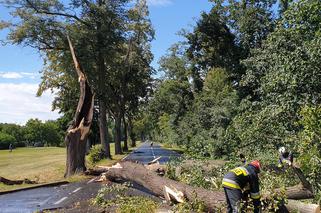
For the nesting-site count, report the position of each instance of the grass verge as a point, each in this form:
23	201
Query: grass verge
41	164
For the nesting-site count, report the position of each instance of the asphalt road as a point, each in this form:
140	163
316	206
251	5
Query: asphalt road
146	153
65	195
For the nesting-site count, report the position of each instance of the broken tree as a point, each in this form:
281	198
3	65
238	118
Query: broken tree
162	186
77	132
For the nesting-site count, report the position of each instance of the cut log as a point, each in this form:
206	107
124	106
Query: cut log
16	182
78	130
297	192
212	199
297	206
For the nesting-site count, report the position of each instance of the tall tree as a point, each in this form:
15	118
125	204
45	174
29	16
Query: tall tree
132	77
97	27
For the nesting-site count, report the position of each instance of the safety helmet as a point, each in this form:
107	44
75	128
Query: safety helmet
281	149
256	164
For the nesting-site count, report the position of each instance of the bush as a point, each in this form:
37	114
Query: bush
96	153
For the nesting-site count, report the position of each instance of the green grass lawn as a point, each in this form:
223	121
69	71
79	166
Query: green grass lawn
44	164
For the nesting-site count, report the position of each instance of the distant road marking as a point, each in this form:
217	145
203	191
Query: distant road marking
59	201
76	190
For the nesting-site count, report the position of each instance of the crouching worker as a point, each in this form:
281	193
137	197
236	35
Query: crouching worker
285	158
239	180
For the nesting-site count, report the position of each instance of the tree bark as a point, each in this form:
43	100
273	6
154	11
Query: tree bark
125	148
212	199
118	149
77	132
297	206
297	192
131	133
103	131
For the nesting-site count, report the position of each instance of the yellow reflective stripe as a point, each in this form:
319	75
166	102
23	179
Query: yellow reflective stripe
230	184
240	171
255	195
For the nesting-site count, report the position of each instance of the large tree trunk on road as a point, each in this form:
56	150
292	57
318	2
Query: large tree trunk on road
139	174
77	132
212	199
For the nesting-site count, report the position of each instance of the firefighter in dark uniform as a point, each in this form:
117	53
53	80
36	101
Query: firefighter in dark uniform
241	180
285	158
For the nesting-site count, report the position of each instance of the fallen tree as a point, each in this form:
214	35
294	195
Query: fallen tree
16	182
171	189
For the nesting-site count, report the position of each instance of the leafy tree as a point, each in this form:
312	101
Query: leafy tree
14	130
6	140
209	117
41	134
250	21
310	145
212	45
285	75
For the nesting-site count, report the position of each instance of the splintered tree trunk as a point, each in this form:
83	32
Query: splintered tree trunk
125	134
77	132
118	134
103	131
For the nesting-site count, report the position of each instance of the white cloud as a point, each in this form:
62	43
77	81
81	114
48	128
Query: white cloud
18	75
10	75
159	2
18	103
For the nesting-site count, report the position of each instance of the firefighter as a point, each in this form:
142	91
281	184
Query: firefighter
286	157
238	182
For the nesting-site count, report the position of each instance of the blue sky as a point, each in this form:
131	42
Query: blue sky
20	66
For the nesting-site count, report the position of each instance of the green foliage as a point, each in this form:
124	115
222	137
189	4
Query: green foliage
195	205
197	123
33	133
118	198
310	146
42	134
212	45
133	204
96	154
6	140
285	76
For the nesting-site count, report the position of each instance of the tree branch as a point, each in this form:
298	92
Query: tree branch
56	13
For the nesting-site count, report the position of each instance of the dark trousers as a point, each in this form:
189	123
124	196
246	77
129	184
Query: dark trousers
233	199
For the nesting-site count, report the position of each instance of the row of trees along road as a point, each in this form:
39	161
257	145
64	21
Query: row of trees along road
111	40
246	79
